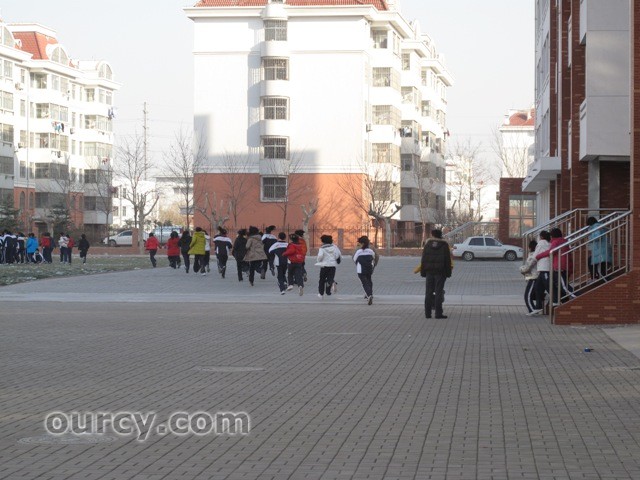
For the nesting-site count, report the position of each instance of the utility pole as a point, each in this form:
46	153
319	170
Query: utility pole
145	128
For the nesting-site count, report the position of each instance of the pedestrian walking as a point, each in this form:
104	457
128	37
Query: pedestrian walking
62	245
255	254
222	245
239	250
207	252
173	249
295	254
70	244
435	266
329	257
185	244
560	266
600	251
543	267
197	249
152	245
21	249
530	272
83	248
280	261
366	260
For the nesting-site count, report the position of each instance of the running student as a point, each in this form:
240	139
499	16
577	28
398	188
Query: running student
83	247
280	261
366	260
173	250
295	254
222	245
328	258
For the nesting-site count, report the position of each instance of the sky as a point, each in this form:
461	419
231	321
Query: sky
488	46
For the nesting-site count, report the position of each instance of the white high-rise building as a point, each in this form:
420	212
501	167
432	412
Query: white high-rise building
330	102
56	119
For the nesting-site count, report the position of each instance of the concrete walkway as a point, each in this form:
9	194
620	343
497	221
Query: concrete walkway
333	388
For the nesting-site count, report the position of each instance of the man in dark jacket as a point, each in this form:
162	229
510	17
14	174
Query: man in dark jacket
436	268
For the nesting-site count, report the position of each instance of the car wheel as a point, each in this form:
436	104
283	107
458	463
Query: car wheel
468	256
112	243
510	256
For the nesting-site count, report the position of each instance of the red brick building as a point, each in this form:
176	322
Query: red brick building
588	134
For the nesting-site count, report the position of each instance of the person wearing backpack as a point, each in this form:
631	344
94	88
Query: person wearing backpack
366	260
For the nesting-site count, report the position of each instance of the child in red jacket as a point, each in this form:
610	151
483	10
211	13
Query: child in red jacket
173	250
295	254
151	246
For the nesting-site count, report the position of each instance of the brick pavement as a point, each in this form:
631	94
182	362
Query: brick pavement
335	390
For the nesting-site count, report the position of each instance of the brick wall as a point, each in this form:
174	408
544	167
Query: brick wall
614	185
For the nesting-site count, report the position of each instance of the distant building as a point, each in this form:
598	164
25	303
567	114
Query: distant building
56	117
309	99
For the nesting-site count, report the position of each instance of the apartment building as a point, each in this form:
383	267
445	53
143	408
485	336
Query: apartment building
587	136
56	116
339	105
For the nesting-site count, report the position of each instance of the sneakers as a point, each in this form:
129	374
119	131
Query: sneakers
334	287
208	269
263	275
301	291
251	283
283	292
320	296
534	312
370	300
289	288
273	271
304	277
204	273
441	316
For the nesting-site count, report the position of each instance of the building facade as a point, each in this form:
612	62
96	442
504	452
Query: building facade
586	150
333	105
57	137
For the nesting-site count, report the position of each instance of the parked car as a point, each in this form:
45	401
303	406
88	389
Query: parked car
122	239
485	247
163	233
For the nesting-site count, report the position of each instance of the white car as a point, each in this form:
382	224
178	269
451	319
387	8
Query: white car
122	239
485	247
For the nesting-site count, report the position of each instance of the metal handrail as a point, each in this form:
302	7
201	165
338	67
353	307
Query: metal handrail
617	236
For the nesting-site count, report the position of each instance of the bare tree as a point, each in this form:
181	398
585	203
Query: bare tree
213	211
376	193
468	178
68	190
308	211
132	168
185	158
512	151
235	169
297	187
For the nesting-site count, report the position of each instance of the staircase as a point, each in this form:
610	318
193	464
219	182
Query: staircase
613	236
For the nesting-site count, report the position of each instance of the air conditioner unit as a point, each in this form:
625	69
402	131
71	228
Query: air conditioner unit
19	86
369	127
21	145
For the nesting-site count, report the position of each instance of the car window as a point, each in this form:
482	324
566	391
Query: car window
476	242
126	234
491	242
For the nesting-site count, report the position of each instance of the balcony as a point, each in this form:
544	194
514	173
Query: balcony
604	127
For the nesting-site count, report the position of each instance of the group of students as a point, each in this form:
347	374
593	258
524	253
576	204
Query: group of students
256	253
18	248
538	269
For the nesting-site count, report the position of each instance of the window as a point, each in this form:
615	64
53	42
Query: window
426	108
491	242
478	242
124	211
449	196
408	196
386	115
90	176
275	68
6	165
275	108
115	211
90	94
6	101
97	122
407	162
382	190
379	37
274	188
406	61
97	149
39	80
522	214
60	56
275	30
386	77
7	71
7	38
105	71
275	148
411	96
6	131
386	153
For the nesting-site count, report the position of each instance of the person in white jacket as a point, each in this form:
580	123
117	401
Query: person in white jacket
329	257
530	275
543	267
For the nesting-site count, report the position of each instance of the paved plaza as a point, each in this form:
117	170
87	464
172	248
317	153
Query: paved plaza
333	388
